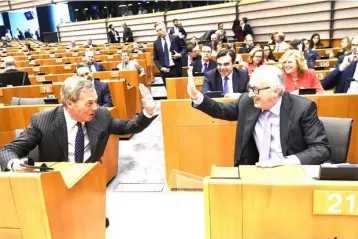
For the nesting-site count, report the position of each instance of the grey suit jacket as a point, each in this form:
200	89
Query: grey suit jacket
301	132
131	65
48	131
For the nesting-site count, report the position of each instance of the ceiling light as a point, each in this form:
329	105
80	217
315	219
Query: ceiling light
139	3
76	10
104	7
86	9
129	4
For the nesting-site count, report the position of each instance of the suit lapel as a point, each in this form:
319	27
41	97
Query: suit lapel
286	116
60	131
93	135
235	81
219	81
252	114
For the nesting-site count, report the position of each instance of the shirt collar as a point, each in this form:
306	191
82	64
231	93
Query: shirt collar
71	123
229	76
277	107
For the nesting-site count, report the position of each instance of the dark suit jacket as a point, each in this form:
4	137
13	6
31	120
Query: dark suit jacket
181	30
245	49
127	35
14	77
47	130
301	132
111	37
213	81
339	79
184	60
311	59
104	96
99	66
175	45
197	66
248	30
88	46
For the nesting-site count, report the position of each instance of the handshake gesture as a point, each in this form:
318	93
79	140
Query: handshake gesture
191	89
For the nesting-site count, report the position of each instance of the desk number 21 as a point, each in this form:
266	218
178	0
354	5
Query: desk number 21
338	201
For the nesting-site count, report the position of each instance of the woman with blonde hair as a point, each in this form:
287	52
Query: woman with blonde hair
297	75
255	60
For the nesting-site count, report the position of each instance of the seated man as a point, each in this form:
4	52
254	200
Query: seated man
90	44
104	96
248	45
77	132
191	56
130	65
137	48
226	78
204	63
12	76
342	77
275	128
94	66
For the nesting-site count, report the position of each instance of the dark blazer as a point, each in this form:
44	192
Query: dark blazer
248	30
310	59
175	45
48	131
245	49
89	46
213	81
184	60
103	93
197	66
181	30
127	35
112	38
99	66
14	77
339	79
301	132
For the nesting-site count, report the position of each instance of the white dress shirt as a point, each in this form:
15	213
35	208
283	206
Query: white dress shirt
229	81
167	39
353	87
71	138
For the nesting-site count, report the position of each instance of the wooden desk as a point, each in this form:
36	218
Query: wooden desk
176	87
193	141
40	205
275	203
19	117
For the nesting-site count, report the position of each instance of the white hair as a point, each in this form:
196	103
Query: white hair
89	53
72	87
272	75
9	62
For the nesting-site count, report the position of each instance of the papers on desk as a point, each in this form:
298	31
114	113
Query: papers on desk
339	165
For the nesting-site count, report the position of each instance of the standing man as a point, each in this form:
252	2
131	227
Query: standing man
226	78
276	128
167	53
127	33
177	30
113	35
130	65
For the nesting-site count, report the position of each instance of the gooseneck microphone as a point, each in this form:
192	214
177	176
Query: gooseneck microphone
22	86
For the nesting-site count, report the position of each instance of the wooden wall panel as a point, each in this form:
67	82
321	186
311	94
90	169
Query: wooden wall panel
346	4
346	13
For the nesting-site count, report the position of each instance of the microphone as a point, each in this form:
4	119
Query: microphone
22	86
31	164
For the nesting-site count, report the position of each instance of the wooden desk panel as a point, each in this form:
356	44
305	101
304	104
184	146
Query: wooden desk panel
7	206
10	233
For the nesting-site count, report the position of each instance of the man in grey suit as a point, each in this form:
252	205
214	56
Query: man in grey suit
130	65
77	132
275	128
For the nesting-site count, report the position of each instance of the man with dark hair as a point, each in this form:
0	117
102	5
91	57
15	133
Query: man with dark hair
104	96
246	28
177	30
113	35
248	45
127	33
204	63
226	78
167	52
189	58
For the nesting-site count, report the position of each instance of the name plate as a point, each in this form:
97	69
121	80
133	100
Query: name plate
46	89
324	64
335	202
199	81
110	57
40	78
97	52
114	73
119	51
36	69
75	54
58	60
52	55
67	67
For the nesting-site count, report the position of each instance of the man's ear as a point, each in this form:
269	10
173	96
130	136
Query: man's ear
69	104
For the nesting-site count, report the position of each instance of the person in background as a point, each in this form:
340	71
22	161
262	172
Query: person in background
268	55
191	56
239	35
28	34
256	59
113	35
275	128
177	30
127	12
37	34
92	65
315	42
20	35
28	47
127	33
90	44
272	39
73	45
8	36
297	75
194	41
136	48
248	45
222	32
345	50
310	56
127	64
246	28
204	63
104	95
281	45
142	10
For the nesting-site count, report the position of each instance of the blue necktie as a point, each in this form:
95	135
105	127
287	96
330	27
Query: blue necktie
206	67
79	144
226	85
166	54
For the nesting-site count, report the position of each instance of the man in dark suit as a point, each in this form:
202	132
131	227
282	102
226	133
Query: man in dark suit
246	28
90	44
226	78
77	132
127	33
104	96
274	128
177	30
204	63
191	56
167	53
12	76
248	45
94	66
113	35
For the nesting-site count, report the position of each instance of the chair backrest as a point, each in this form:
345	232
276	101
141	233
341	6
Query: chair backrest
27	101
338	131
34	154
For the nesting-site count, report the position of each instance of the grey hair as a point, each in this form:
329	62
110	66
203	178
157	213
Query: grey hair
273	75
9	62
72	88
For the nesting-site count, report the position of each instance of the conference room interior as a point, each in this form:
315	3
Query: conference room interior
176	178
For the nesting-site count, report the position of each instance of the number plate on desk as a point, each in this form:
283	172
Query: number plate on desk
110	57
114	74
67	67
75	54
335	202
58	60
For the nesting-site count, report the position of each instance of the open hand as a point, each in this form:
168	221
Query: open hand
147	99
16	166
270	163
191	89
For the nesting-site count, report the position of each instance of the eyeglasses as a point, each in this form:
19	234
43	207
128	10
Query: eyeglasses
257	90
84	74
